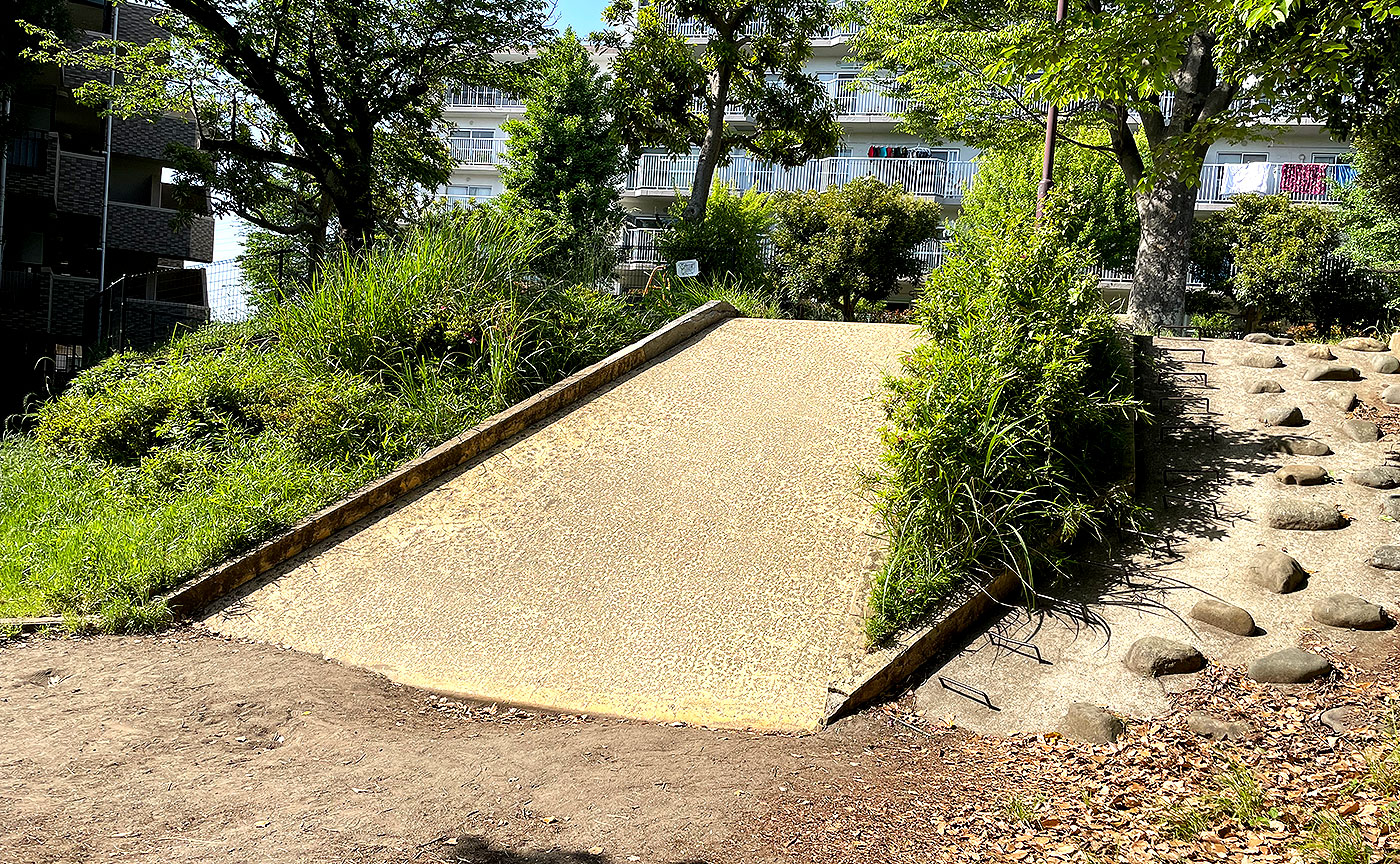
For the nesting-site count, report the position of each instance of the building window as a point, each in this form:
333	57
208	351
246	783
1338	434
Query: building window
466	194
1333	158
1235	158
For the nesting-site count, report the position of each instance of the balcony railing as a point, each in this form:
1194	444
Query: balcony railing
925	177
690	28
1303	184
477	151
638	250
480	96
855	98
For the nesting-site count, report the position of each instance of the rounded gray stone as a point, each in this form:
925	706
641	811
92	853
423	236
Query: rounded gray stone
1362	343
1282	415
1226	616
1343	719
1318	352
1264	385
1153	656
1276	571
1301	475
1391	394
1363	431
1376	477
1340	397
1331	372
1292	514
1390	507
1289	666
1209	727
1294	445
1349	612
1267	339
1385	364
1091	723
1386	558
1260	360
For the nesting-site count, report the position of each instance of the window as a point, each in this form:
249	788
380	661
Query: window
472	145
1226	158
466	194
1331	158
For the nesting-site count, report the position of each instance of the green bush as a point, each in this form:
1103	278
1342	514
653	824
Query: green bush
728	241
851	243
1005	435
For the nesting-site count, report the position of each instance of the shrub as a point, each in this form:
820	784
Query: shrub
728	241
1005	426
851	243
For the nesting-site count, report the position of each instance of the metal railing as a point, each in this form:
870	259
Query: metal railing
638	249
477	151
864	98
482	96
691	28
925	177
1302	183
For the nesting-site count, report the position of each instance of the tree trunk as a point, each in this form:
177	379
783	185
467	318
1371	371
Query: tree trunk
848	307
711	149
1166	210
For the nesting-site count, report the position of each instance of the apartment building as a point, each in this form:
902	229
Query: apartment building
1298	157
88	207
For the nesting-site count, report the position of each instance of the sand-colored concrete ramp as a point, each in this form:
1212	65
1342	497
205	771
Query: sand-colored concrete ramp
687	544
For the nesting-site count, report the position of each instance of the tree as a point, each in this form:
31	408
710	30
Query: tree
728	241
565	156
1159	81
853	242
15	68
1266	255
315	111
675	96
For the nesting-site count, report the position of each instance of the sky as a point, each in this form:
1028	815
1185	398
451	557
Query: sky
585	16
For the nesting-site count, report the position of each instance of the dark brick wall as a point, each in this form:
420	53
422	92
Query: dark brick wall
148	229
40	183
145	323
81	181
148	139
70	298
135	24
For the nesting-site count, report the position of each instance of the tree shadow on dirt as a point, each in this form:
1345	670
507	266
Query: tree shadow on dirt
470	849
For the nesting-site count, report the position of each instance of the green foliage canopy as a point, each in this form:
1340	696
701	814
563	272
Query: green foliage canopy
850	243
728	241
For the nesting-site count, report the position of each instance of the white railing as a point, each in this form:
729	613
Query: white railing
638	249
691	28
1221	183
477	151
929	178
864	98
480	96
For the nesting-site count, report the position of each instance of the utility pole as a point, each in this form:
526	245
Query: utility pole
1052	122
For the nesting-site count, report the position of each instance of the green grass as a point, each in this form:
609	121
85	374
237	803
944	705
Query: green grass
1236	797
154	466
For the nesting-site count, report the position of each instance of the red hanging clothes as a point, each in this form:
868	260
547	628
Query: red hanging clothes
1303	179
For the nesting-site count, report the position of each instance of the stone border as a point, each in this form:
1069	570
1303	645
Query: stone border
225	577
913	650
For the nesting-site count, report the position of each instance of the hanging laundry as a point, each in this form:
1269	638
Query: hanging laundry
1246	178
1343	174
871	154
1303	179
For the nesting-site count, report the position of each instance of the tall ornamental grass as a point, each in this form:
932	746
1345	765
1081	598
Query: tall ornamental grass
1006	426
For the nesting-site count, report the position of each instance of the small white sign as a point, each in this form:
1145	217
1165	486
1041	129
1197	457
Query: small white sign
688	267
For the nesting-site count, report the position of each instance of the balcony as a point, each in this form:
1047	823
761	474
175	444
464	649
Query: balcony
138	228
638	250
657	173
477	151
483	98
692	29
33	164
1303	184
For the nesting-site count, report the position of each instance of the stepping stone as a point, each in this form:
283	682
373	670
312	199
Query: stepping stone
1301	475
1152	656
1294	515
1379	477
1341	397
1386	558
1361	430
1318	352
1264	385
1282	415
1260	360
1289	666
1091	723
1391	394
1296	446
1348	611
1267	339
1331	372
1390	507
1362	343
1226	616
1275	571
1343	719
1386	364
1395	342
1209	727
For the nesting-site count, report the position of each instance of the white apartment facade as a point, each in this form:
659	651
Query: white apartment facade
1297	157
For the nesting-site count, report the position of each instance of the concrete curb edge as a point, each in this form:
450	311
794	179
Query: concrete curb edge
227	576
